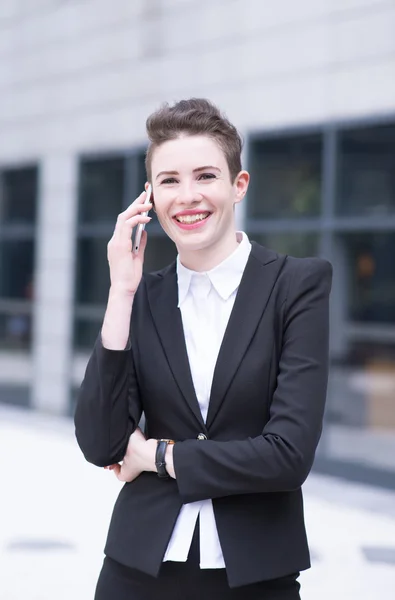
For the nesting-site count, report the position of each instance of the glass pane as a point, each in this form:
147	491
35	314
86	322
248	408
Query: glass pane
16	269
141	173
18	195
86	332
92	277
160	252
369	260
15	330
101	189
361	405
286	177
361	393
367	171
294	244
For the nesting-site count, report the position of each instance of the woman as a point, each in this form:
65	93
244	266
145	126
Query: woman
226	352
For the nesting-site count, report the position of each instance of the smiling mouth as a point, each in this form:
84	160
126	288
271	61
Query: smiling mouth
190	219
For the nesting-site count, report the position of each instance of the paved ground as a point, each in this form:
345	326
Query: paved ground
55	508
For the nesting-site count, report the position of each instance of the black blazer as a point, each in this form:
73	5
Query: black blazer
263	424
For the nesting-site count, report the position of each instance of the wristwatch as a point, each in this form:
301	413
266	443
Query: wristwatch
160	457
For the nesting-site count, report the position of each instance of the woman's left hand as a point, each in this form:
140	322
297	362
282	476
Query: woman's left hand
139	457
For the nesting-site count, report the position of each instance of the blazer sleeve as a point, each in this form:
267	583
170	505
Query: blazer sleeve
281	457
108	405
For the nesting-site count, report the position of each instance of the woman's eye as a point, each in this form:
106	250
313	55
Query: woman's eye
203	176
207	176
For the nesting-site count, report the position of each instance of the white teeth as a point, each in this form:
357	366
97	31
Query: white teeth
192	218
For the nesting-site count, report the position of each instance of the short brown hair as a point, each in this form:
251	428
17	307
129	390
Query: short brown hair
196	116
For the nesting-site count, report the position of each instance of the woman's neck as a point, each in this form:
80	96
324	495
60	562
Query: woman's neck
208	258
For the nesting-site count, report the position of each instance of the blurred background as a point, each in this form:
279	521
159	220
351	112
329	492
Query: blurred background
310	85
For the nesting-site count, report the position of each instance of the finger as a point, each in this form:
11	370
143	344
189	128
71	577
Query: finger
117	471
138	433
123	230
133	211
139	200
122	474
128	225
135	206
133	221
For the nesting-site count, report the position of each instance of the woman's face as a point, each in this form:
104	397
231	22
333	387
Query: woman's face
193	193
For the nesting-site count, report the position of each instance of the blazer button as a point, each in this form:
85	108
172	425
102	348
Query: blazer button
201	436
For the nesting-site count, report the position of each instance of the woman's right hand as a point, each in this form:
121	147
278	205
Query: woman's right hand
126	267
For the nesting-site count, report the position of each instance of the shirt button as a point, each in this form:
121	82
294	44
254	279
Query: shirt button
201	436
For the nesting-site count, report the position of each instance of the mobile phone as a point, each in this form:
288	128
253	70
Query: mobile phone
141	226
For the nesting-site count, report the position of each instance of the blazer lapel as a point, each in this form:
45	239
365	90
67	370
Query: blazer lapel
259	277
162	290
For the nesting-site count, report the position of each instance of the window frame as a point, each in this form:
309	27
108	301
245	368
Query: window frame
90	312
328	224
20	232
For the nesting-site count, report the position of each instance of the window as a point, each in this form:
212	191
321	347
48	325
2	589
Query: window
366	175
18	196
93	280
18	207
334	193
102	186
285	177
370	276
108	184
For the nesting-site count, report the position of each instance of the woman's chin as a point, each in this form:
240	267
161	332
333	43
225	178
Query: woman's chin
194	246
193	239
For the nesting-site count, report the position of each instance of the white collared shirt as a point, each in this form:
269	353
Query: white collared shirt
206	301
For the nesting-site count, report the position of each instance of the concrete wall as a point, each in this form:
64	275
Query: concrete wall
81	75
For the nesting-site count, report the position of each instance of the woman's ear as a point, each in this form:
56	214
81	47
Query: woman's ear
152	194
241	185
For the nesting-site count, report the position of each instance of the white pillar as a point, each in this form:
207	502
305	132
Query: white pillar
241	208
54	283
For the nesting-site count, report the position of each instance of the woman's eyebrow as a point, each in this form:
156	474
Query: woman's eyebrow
206	167
194	170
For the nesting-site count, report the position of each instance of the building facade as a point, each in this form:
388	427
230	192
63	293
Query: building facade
310	85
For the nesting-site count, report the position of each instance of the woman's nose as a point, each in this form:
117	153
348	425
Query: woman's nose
187	194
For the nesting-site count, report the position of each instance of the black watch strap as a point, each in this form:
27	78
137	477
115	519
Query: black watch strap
160	459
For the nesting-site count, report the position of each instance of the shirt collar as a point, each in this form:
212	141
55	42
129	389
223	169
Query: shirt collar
225	277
